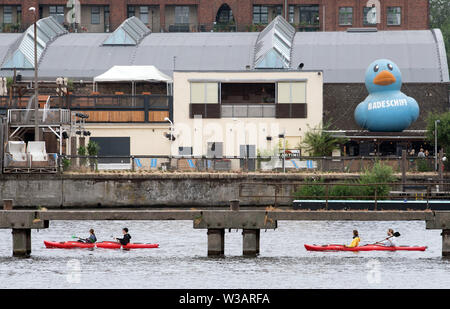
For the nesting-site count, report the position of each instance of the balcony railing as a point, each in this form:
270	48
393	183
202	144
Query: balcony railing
239	110
108	108
25	117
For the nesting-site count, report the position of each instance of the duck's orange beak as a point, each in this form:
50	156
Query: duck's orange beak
384	78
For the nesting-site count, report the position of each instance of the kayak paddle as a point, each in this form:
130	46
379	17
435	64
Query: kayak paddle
396	234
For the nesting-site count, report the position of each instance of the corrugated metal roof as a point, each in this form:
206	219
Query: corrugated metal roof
342	56
21	53
130	32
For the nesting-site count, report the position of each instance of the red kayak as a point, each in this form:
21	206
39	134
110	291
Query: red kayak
115	245
104	245
67	244
363	248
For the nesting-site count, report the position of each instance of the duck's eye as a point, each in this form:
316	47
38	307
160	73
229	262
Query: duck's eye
390	67
376	68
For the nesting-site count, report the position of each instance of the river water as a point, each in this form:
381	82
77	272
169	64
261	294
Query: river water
181	260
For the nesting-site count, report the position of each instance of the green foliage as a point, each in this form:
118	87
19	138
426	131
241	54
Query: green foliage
380	175
423	165
439	18
82	151
9	82
311	190
93	148
443	129
317	142
66	163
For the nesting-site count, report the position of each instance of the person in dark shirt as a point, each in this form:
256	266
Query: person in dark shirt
91	239
126	237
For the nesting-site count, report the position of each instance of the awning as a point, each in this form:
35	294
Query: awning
133	73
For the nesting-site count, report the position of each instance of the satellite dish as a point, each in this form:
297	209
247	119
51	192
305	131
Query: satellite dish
372	16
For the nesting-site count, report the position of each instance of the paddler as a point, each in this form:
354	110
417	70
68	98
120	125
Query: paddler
355	241
126	237
389	240
91	239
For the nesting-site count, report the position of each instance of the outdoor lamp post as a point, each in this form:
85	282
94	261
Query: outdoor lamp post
436	145
171	132
36	98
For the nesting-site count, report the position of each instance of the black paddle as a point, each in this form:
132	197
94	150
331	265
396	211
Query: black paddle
396	234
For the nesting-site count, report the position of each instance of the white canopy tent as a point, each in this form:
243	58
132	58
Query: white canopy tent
133	74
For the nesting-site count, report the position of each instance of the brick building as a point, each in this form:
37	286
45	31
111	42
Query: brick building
223	15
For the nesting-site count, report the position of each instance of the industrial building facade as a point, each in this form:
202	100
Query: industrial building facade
220	15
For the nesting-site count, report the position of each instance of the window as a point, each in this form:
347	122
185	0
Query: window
58	12
291	14
181	15
143	14
345	16
292	92
260	14
369	16
130	11
394	16
95	15
204	93
7	15
247	93
106	18
309	14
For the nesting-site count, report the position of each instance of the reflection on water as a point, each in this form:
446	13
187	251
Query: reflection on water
181	260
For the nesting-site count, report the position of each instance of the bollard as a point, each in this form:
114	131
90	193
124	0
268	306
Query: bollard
234	205
7	204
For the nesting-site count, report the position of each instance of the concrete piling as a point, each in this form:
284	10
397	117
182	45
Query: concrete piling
250	242
216	242
21	239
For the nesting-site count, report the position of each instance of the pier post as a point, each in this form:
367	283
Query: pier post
446	243
216	242
250	242
21	239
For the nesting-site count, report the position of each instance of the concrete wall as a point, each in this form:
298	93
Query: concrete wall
157	189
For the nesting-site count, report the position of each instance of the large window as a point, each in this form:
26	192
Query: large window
95	15
143	14
7	15
309	14
204	92
291	14
369	16
394	16
260	14
292	92
181	15
58	12
345	16
130	11
247	93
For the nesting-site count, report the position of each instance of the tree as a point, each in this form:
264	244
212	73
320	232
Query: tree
439	18
319	142
443	130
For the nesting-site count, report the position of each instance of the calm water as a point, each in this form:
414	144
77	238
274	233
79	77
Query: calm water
181	260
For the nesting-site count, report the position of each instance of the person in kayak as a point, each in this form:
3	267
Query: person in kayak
355	241
126	237
91	239
389	241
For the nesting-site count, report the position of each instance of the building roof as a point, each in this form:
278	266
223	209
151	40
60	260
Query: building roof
342	56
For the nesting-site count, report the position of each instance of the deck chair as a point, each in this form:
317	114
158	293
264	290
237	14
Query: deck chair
17	151
36	151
